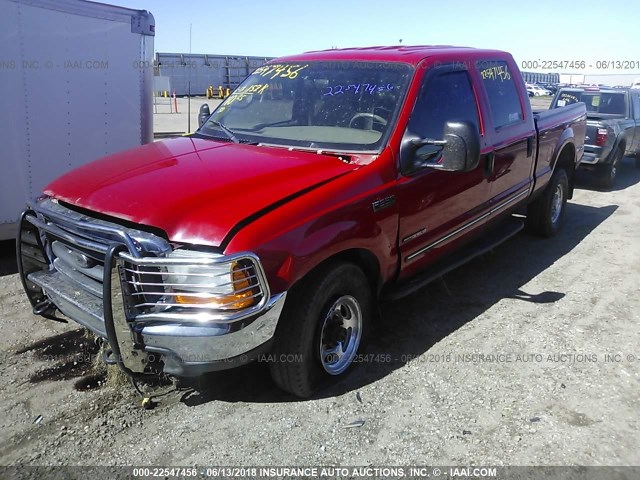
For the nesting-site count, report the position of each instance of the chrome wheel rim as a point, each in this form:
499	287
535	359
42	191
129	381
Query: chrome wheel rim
340	335
556	204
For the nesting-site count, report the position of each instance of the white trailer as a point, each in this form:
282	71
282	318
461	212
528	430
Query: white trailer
76	81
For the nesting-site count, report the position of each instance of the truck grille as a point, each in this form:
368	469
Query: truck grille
75	246
81	270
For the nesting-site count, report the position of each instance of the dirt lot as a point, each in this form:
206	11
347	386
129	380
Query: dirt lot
504	362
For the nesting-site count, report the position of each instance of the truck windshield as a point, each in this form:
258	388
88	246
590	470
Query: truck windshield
596	102
326	105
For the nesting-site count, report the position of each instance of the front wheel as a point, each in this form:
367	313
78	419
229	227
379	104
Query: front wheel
545	214
322	329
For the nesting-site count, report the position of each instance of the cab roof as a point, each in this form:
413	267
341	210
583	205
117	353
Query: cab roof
398	53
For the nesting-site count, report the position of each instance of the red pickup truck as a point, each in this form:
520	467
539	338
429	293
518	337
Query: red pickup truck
326	182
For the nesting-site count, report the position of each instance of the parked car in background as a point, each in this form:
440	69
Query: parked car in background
537	91
549	87
613	127
275	228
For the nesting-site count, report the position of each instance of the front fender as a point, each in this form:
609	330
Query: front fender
338	217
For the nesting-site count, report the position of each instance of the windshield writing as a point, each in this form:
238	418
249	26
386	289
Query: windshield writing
324	105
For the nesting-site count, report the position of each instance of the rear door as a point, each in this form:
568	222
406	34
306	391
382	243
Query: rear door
438	207
511	133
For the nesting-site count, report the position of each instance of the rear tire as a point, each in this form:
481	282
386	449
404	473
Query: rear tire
638	160
546	213
609	172
323	327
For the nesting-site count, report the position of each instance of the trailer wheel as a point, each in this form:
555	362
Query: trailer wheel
322	328
610	171
546	213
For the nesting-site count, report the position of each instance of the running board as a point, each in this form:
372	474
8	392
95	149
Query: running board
488	241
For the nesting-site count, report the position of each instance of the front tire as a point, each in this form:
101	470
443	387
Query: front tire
323	327
546	213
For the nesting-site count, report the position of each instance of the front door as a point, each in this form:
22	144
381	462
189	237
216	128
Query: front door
437	207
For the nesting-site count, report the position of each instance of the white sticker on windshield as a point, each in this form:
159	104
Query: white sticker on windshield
562	103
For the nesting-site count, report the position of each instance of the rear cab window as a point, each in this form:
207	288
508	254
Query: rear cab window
596	101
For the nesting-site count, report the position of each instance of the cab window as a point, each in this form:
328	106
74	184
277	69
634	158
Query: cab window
504	100
446	95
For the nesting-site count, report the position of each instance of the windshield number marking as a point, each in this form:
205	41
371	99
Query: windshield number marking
281	71
496	73
367	87
568	97
241	93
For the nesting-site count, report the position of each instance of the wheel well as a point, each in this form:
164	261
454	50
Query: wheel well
361	257
367	261
566	161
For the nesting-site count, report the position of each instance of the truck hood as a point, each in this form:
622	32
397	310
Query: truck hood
195	190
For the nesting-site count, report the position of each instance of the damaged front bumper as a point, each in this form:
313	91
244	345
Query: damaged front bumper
180	314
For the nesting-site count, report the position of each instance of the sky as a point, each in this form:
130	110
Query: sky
535	30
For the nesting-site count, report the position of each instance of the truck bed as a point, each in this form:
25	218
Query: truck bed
551	126
560	116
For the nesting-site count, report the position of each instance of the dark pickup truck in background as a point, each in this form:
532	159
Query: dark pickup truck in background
613	127
325	182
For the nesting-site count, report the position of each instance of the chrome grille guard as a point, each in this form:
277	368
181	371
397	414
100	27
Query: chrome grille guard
127	257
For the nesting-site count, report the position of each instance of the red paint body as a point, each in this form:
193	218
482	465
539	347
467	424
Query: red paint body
296	209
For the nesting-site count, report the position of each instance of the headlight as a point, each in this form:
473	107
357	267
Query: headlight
225	286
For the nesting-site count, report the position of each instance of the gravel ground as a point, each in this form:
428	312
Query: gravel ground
503	362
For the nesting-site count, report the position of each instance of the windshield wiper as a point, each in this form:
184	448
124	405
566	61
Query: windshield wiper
226	130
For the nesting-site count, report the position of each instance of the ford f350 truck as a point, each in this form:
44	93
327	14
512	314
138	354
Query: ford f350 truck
326	182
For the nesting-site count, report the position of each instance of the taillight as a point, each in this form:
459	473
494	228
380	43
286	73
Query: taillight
601	139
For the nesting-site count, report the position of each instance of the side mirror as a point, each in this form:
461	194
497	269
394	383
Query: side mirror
459	151
203	114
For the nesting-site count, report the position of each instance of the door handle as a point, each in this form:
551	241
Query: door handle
489	164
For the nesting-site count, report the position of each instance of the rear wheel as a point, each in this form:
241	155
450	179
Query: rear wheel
322	329
610	172
545	214
638	160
